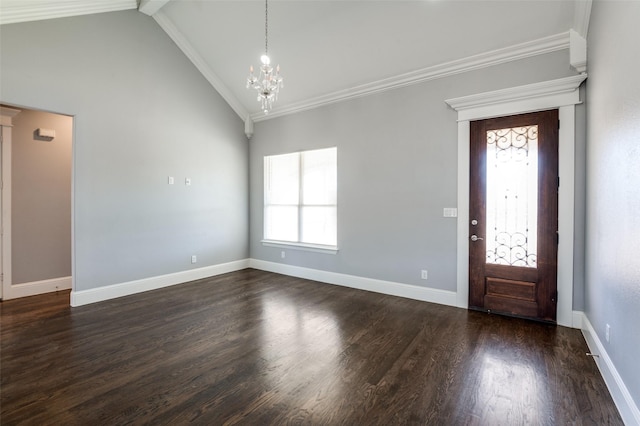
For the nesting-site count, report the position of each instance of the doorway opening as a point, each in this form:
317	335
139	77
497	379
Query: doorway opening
36	202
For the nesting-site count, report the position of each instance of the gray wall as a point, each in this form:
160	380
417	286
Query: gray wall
613	184
397	170
142	112
40	198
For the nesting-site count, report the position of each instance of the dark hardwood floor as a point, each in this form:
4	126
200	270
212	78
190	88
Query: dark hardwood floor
258	348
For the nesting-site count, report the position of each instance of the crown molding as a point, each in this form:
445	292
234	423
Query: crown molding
581	17
181	41
150	7
14	11
495	57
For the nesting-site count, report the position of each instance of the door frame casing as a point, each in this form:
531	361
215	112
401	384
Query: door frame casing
6	122
9	289
562	94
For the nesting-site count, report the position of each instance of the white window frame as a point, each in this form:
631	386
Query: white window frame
297	245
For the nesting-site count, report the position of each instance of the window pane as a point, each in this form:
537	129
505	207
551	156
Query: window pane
319	177
319	225
281	223
281	179
512	196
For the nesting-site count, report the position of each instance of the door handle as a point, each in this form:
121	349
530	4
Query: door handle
476	238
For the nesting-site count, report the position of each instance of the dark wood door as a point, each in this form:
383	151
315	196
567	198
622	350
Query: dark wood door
513	214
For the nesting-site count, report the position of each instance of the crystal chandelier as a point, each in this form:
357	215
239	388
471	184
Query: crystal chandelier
267	83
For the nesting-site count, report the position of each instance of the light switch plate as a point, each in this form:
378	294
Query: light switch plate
450	212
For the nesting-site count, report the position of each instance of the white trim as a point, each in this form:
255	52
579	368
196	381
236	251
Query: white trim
248	127
150	7
99	294
25	11
318	248
6	115
462	262
73	203
495	57
581	17
566	213
578	320
618	390
577	51
190	52
425	294
530	97
36	287
536	97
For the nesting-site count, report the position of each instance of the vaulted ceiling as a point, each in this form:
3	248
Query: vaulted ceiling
334	50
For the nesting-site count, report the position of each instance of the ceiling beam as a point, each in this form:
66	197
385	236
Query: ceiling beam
150	7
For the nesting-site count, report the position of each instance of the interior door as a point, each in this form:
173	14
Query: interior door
514	215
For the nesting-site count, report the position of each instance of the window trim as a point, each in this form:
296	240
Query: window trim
317	248
298	245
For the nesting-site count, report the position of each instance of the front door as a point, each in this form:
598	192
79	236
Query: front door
513	213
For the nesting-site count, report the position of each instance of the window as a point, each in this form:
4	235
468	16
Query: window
300	197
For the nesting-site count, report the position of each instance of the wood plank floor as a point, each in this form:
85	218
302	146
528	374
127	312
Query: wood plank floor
257	348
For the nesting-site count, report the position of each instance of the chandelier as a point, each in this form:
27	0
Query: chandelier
267	83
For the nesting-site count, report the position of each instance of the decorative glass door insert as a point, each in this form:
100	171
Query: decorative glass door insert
512	196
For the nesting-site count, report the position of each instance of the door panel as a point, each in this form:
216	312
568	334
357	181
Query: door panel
514	215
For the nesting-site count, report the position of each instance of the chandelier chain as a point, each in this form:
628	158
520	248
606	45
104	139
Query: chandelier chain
266	27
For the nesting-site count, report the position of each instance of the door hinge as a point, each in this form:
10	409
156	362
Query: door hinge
557	238
558	181
558	124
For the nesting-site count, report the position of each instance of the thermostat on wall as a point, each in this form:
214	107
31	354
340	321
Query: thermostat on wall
46	133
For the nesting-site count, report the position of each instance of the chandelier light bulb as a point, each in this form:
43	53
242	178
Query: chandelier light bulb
265	59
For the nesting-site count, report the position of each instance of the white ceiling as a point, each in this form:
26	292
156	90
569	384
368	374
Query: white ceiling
332	50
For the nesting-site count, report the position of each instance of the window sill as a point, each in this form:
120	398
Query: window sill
318	248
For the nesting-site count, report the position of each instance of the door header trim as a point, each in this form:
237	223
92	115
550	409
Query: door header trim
528	98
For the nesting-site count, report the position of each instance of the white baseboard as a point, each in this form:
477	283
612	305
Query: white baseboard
577	319
84	297
618	390
425	294
36	287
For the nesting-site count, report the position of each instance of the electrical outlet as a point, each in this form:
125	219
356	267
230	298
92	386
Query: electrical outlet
424	275
187	181
282	254
607	332
194	259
